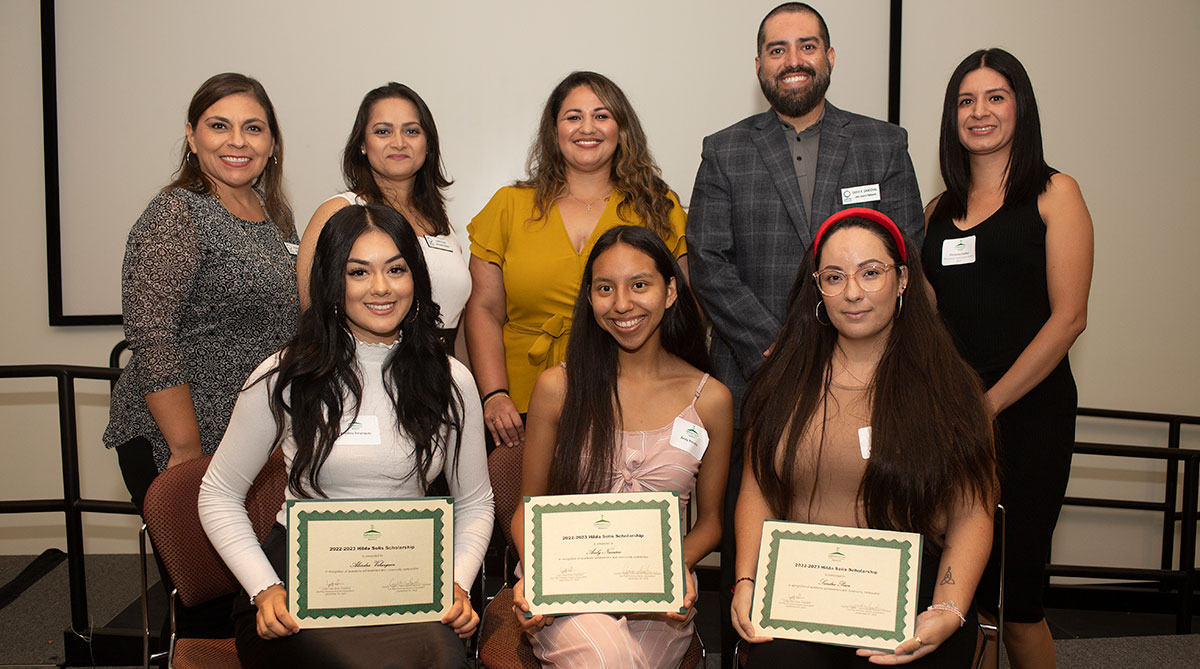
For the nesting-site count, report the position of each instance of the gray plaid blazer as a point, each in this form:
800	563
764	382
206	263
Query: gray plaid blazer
747	229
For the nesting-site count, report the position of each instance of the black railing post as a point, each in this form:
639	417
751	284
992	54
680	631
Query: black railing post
1187	543
1170	497
76	573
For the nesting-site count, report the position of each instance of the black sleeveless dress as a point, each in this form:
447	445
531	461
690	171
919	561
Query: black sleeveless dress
993	307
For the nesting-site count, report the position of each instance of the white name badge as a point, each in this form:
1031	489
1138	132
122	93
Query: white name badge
362	431
291	248
857	194
439	243
864	442
959	251
687	436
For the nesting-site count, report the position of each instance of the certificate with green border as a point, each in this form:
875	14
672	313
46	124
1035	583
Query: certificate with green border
370	561
610	553
840	585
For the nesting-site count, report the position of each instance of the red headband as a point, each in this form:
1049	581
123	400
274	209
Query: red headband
869	214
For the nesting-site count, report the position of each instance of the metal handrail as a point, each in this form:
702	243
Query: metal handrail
1172	508
72	504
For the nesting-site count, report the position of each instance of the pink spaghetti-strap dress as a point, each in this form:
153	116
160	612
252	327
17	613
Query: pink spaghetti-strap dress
646	461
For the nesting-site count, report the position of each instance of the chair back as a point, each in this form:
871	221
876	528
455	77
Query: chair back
174	524
504	469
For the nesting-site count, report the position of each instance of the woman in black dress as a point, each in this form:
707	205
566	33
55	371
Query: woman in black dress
1008	250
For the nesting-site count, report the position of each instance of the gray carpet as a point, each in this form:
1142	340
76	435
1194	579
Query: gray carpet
1130	652
33	624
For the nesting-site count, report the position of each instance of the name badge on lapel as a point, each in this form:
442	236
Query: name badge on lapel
860	194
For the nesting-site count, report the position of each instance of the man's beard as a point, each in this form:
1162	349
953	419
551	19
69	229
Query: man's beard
798	102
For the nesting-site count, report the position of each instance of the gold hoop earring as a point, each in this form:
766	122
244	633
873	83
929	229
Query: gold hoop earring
899	306
817	314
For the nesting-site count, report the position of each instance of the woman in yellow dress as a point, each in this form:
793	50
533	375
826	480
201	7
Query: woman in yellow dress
590	169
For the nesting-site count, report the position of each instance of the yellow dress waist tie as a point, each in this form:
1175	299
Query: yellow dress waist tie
553	329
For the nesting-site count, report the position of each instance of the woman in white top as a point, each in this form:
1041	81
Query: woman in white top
393	157
366	349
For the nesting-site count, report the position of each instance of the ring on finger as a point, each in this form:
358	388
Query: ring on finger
919	642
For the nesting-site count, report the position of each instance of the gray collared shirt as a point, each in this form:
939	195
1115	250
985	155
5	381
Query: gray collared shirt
804	146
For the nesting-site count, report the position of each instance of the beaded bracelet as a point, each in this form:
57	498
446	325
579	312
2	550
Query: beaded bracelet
735	583
962	620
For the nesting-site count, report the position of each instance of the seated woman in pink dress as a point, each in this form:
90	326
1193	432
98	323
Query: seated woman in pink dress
638	348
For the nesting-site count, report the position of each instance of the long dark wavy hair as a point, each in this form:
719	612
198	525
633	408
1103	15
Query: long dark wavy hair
429	181
634	174
931	435
1028	174
584	448
189	176
317	380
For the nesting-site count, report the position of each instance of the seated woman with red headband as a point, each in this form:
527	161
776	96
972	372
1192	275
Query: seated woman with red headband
860	349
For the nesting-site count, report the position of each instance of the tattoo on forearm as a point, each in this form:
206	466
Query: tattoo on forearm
948	579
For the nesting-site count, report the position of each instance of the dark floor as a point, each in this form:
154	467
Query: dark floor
34	620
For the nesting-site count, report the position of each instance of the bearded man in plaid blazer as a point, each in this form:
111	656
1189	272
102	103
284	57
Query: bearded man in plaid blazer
763	188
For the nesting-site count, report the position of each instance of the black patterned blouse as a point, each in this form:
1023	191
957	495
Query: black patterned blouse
206	296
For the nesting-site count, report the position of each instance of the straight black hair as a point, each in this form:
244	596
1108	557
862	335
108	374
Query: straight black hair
1028	174
428	182
586	441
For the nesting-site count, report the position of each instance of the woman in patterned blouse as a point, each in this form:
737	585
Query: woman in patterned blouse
208	284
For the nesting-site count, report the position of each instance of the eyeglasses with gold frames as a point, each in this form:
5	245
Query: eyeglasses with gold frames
871	278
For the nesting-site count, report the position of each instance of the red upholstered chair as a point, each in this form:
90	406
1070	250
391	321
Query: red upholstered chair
502	644
200	575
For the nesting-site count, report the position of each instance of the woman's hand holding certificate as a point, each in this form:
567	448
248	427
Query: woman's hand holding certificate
933	627
273	620
462	617
530	623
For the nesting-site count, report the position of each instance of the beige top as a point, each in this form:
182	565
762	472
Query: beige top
838	464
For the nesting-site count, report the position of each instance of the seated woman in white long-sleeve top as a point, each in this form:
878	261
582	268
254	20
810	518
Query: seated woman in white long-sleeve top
367	347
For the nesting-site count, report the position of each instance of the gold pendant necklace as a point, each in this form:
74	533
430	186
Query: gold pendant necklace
587	206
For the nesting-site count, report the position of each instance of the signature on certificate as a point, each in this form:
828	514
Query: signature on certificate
638	573
405	584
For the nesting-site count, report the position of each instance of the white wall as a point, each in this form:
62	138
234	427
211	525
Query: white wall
29	438
1117	100
126	69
